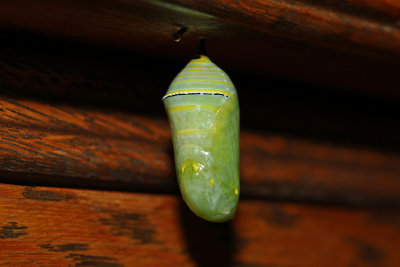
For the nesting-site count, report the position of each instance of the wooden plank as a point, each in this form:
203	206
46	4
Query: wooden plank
313	22
64	145
294	19
290	39
89	76
382	10
57	227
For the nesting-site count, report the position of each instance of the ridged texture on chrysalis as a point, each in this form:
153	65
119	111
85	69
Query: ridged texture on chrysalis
203	111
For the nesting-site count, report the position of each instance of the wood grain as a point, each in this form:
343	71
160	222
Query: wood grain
311	41
57	227
64	72
315	23
382	10
114	133
318	21
80	109
64	145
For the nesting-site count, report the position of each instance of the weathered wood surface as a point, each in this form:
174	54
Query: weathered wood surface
314	22
353	45
114	133
81	83
354	23
60	72
381	10
56	227
64	145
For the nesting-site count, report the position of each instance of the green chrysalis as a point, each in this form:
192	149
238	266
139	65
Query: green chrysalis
203	111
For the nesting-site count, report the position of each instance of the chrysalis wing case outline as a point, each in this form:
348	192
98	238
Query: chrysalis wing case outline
203	111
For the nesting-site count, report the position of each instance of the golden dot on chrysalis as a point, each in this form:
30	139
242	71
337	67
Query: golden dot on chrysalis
196	167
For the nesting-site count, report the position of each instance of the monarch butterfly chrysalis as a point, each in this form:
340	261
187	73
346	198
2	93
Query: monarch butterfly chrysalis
203	111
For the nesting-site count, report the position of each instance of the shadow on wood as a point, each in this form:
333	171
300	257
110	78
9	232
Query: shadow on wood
208	244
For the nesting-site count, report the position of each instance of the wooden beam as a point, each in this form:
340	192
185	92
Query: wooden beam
314	22
64	145
54	226
381	10
64	72
355	47
355	23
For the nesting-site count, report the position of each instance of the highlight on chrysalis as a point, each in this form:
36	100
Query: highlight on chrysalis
203	111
